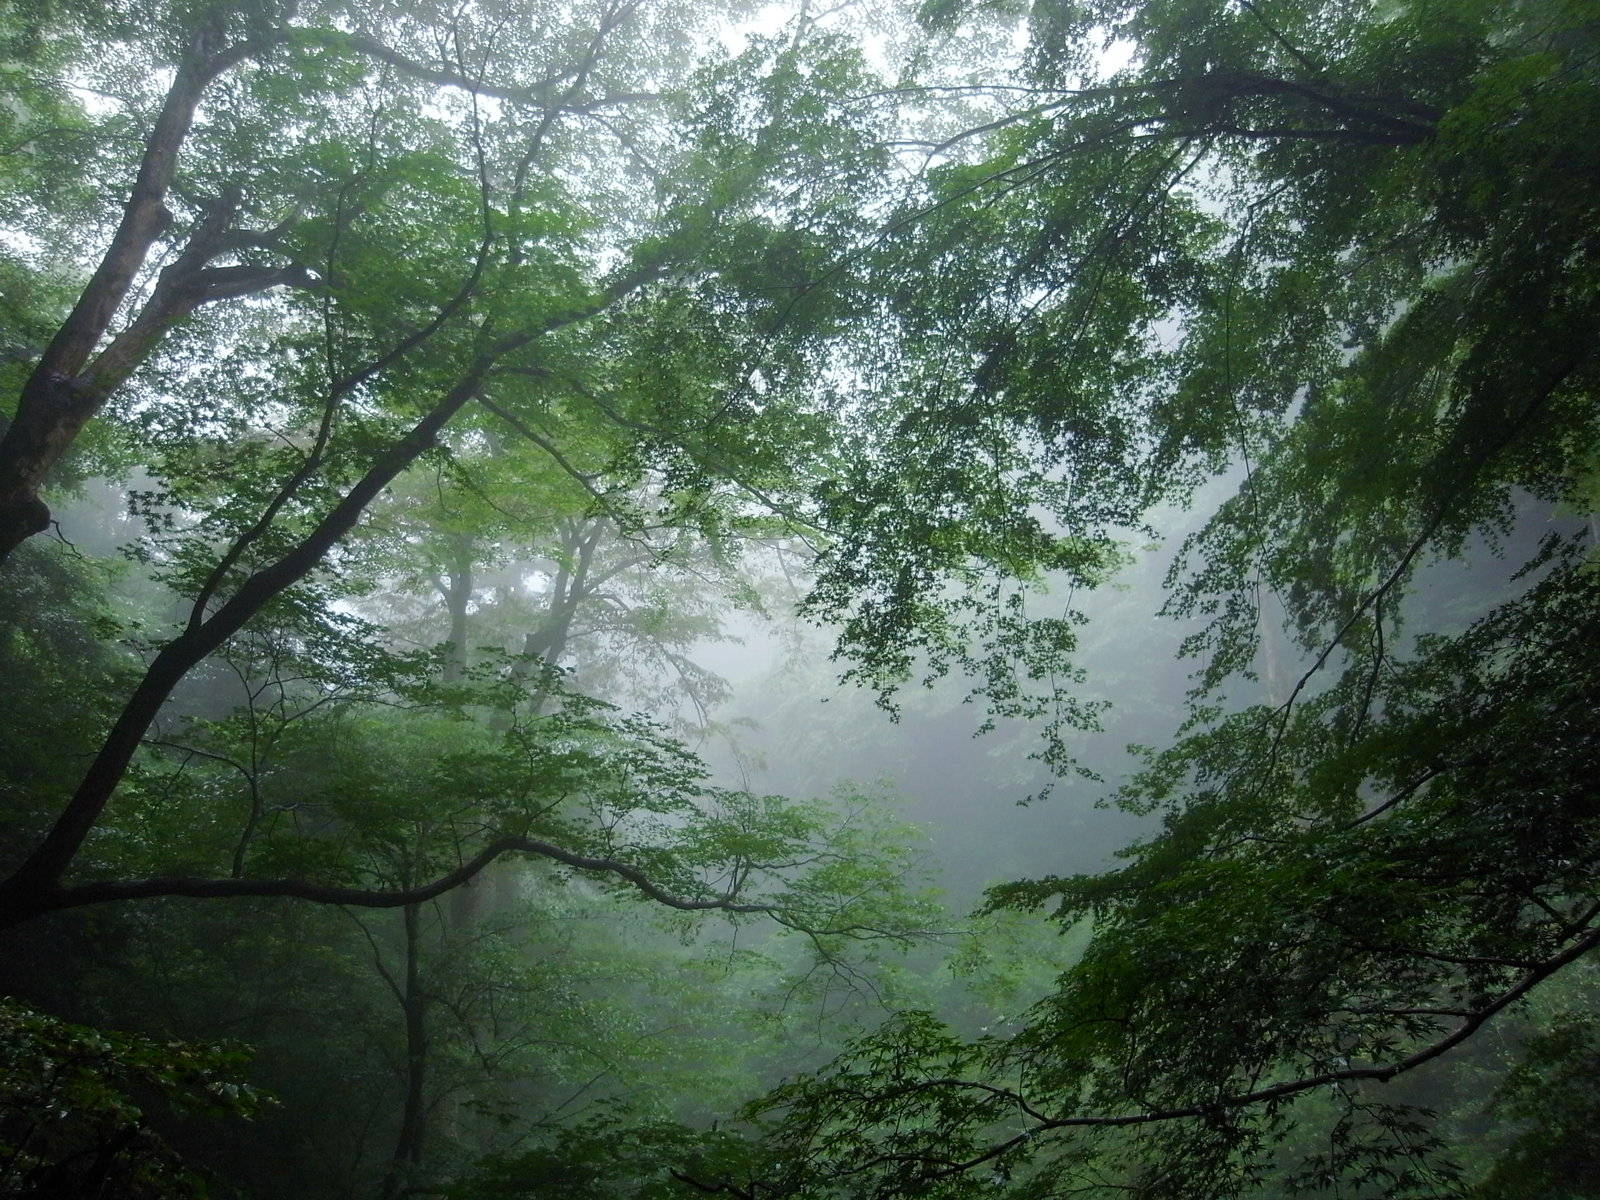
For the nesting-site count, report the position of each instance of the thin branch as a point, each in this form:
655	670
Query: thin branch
1295	52
377	956
1559	376
583	479
1473	1020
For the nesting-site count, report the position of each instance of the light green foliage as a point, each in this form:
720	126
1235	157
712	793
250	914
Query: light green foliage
440	290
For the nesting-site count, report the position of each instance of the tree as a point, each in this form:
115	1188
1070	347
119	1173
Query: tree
393	258
531	282
502	556
1345	252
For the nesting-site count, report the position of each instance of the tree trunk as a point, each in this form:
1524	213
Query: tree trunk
59	398
1274	667
32	889
567	591
406	1162
456	597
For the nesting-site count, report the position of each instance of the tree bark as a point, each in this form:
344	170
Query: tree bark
56	401
57	899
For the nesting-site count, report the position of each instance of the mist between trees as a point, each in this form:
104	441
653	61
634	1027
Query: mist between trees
632	600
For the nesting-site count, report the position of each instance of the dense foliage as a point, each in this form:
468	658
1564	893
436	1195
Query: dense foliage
1346	254
463	368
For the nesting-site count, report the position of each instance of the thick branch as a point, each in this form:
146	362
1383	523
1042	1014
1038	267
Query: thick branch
181	288
38	875
1416	126
81	895
53	406
145	217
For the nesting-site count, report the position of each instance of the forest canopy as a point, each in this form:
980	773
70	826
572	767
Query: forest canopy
407	398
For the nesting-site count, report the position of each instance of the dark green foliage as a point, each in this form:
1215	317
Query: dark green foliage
1347	251
612	1156
1555	1093
72	1101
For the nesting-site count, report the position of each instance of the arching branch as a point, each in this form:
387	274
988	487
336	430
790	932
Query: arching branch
109	891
